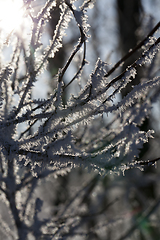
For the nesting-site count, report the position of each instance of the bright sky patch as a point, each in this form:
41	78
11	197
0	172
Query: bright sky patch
11	15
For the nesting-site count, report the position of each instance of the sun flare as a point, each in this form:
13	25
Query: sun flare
11	15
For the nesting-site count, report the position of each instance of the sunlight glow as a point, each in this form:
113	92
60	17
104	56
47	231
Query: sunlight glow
11	15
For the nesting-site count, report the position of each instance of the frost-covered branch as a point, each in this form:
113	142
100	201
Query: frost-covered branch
44	137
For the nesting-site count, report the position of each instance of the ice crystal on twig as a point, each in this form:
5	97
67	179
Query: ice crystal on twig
57	136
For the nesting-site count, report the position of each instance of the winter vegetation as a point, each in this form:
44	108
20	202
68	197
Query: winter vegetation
46	138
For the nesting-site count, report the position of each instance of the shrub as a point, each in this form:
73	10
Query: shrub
77	133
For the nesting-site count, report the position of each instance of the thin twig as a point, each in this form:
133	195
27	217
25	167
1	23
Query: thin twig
132	51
